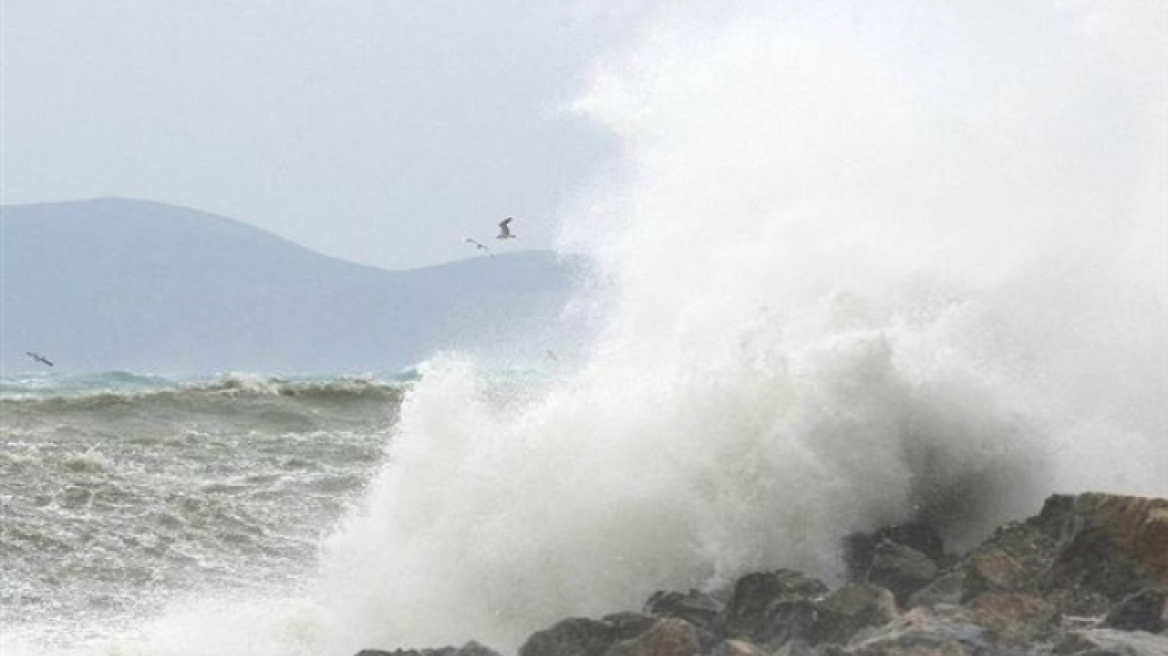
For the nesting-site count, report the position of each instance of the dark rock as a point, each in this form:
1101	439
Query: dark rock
790	620
859	548
1014	618
948	631
852	608
746	613
1142	611
577	637
1111	546
629	624
945	589
902	570
1013	559
695	607
667	637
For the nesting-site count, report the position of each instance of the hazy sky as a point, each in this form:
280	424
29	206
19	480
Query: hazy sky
383	131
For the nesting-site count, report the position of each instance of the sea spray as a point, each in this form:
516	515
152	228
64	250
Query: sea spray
857	266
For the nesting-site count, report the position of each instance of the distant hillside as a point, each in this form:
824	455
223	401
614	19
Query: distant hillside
123	284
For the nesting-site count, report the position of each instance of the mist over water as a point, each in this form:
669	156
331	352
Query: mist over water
857	266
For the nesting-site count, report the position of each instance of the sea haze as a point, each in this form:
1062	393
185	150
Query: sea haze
116	284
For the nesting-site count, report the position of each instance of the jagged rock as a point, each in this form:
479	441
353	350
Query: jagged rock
1142	611
628	623
945	589
851	608
945	631
695	607
1013	559
790	619
578	637
1083	553
471	648
902	570
667	637
859	548
746	614
1112	547
1014	617
1033	586
1112	642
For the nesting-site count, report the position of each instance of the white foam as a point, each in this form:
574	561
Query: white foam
861	265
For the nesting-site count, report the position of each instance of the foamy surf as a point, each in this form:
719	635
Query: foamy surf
849	278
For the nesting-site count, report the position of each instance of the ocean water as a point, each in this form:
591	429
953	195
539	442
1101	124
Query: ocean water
121	493
858	263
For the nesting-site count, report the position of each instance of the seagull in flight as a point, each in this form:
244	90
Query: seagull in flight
479	245
39	358
505	229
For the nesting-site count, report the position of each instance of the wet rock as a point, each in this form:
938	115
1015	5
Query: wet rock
1142	611
1086	576
667	637
1082	553
1013	559
695	607
790	619
859	548
945	589
853	607
577	637
902	570
1013	617
628	623
1111	547
949	631
747	613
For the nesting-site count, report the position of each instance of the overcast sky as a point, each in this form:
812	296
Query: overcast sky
382	131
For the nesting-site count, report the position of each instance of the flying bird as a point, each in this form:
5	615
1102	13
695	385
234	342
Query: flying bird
39	358
505	229
479	245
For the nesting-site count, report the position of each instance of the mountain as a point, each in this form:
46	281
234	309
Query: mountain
117	284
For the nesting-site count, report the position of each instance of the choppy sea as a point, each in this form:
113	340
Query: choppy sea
121	493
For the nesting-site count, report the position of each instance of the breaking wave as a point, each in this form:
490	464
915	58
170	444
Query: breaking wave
856	266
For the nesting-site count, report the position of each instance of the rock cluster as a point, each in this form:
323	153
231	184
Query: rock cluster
1087	576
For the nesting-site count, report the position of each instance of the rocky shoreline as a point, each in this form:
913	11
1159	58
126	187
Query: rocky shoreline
1087	576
